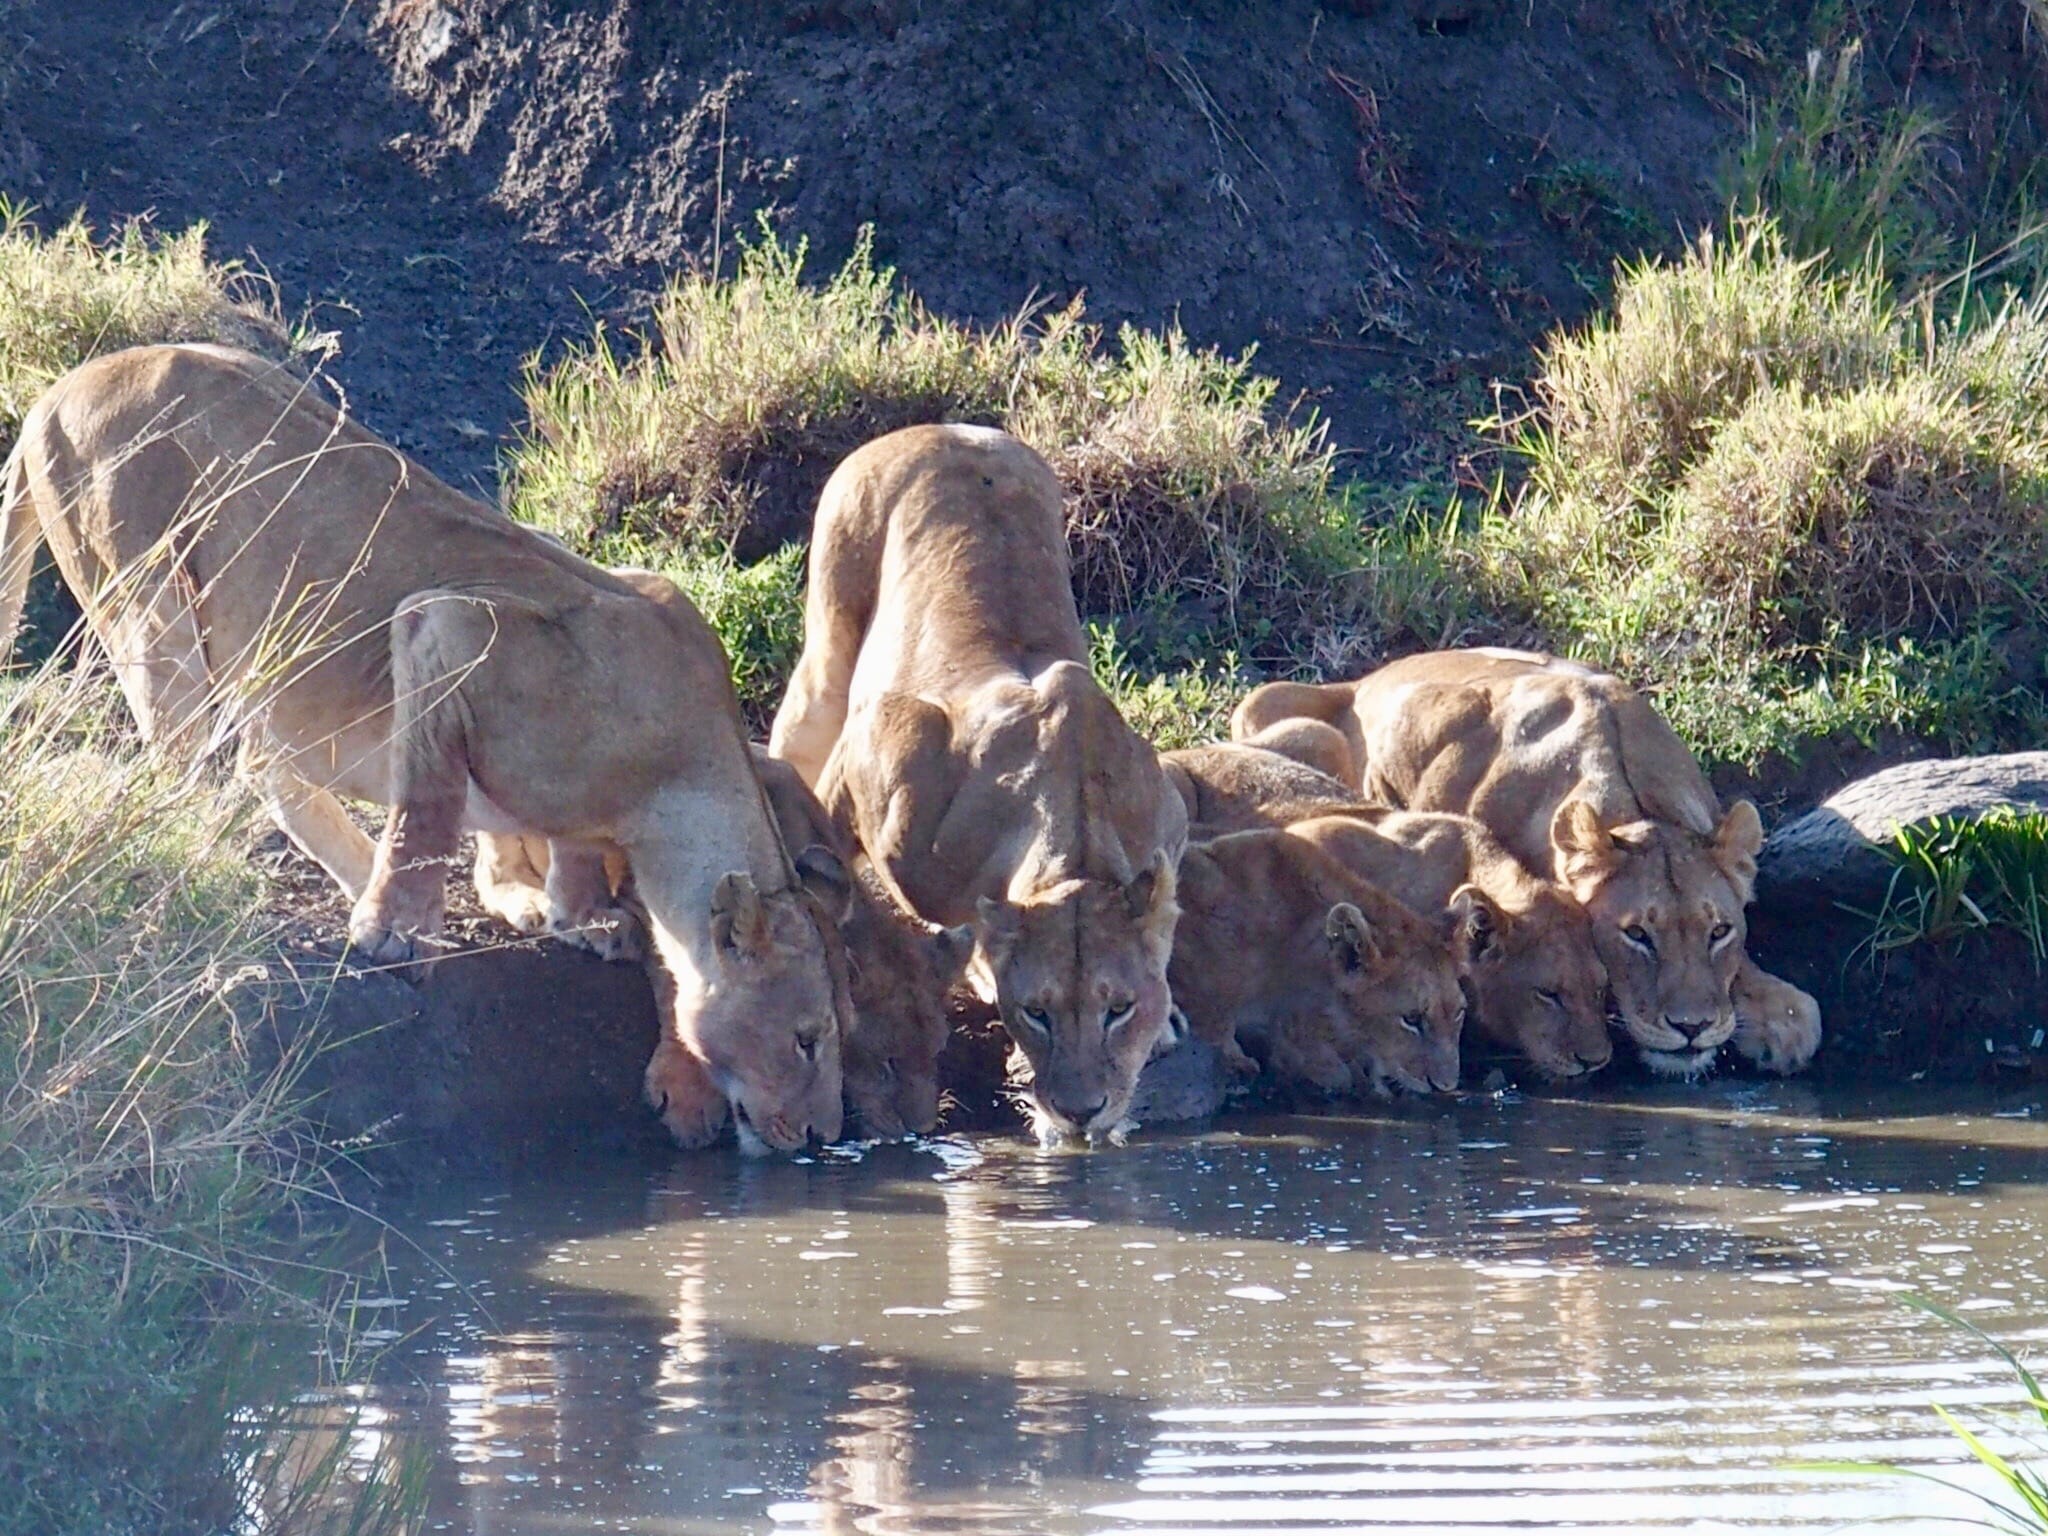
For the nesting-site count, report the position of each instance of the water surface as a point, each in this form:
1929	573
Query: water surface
1623	1313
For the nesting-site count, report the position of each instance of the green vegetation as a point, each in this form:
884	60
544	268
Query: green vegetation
1194	516
156	1184
1956	874
1792	508
2027	1512
158	1191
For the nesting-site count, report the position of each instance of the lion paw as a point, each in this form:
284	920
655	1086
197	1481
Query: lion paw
609	932
1777	1026
679	1089
523	910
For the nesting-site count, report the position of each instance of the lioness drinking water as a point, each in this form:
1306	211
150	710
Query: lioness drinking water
256	564
944	711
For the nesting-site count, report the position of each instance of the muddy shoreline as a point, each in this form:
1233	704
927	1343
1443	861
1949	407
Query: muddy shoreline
500	1056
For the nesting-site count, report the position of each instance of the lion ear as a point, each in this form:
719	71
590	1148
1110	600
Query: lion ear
1478	922
1585	854
1351	937
739	918
951	949
1735	845
1149	895
825	880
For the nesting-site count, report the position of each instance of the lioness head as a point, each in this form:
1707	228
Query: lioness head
769	1023
1403	1010
899	970
1079	975
1537	984
1666	908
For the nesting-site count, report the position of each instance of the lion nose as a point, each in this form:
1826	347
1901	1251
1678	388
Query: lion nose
1690	1029
1085	1115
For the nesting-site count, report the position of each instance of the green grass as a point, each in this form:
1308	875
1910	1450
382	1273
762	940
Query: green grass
1955	875
1186	491
2021	1507
159	1199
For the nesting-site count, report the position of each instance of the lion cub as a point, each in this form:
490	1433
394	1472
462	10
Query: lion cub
1335	983
1525	947
944	711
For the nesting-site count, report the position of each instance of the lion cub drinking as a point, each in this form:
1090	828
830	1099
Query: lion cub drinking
255	562
1573	770
1525	947
944	711
1335	983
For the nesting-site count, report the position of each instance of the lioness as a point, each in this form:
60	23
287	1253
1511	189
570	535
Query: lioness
944	711
1525	945
1231	787
899	970
1572	769
1337	984
253	561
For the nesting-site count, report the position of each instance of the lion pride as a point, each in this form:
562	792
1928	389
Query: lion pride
256	563
944	711
1574	771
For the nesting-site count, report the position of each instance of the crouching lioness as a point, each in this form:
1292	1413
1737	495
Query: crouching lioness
944	711
1573	771
255	562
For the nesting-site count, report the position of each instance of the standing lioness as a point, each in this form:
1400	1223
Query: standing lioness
944	711
253	561
1574	771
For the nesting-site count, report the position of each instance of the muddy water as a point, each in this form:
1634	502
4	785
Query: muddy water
1616	1313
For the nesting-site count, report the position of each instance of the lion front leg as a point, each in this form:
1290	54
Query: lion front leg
681	1091
582	909
437	640
1777	1026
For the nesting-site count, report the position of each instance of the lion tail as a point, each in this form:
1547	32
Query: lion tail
20	535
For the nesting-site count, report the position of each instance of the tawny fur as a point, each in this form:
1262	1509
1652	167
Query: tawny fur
1573	770
944	711
259	565
1284	954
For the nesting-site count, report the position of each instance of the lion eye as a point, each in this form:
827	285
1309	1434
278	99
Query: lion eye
1117	1014
1412	1022
1639	936
1556	1000
807	1047
1038	1019
1721	931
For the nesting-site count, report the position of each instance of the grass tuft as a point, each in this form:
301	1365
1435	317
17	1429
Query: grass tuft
154	1180
1186	496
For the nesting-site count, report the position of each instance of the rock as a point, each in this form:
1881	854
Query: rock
1187	1083
1826	856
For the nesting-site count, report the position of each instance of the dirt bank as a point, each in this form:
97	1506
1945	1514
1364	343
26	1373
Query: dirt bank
1378	194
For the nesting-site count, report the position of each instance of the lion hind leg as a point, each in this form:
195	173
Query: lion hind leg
437	640
1777	1026
159	661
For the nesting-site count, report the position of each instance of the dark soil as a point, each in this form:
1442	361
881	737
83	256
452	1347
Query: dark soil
1373	194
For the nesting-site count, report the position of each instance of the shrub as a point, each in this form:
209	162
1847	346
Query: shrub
70	296
149	1170
718	429
1633	397
1786	508
1842	181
